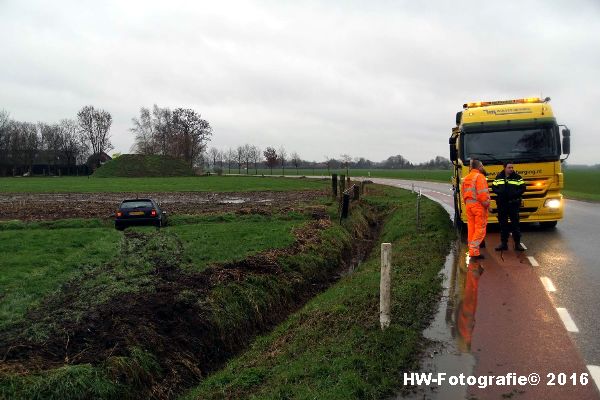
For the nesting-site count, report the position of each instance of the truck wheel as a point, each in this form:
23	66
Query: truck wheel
548	224
458	224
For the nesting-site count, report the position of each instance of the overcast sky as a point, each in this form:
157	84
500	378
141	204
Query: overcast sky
369	79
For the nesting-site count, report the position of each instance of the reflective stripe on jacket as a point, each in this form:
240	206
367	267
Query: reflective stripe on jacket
475	189
508	189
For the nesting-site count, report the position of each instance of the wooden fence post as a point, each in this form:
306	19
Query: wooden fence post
334	184
356	189
345	204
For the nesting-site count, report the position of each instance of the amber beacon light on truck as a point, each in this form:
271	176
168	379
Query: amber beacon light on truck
523	131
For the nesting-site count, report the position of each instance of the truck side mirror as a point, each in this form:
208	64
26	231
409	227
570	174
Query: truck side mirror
458	118
453	150
566	141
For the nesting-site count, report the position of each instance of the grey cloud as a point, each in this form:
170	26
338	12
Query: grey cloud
368	79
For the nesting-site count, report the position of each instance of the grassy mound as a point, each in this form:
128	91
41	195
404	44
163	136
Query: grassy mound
138	165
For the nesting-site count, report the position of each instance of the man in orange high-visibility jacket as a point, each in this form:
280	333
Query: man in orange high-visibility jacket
476	195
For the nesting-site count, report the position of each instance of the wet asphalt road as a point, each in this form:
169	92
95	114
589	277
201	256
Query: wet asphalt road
569	255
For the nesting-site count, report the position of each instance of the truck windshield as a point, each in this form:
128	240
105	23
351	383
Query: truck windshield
523	145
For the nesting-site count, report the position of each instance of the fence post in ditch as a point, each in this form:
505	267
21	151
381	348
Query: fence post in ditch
334	184
356	190
348	181
419	210
385	290
413	187
342	184
345	204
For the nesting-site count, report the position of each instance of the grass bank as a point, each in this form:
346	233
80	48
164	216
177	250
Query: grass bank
71	184
333	347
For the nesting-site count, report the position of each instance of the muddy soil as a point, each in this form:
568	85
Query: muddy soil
51	206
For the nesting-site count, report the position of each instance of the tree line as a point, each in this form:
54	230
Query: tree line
81	144
66	146
55	148
248	158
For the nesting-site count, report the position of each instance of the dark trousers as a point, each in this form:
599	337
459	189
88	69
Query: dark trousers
506	212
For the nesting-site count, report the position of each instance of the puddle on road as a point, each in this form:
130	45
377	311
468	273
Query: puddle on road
451	330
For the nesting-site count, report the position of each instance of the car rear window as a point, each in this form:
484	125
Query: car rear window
136	204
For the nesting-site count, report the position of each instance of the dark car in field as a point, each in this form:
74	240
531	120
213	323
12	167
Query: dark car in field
139	212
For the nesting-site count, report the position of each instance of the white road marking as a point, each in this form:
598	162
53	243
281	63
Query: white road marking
523	245
548	284
533	262
595	373
567	320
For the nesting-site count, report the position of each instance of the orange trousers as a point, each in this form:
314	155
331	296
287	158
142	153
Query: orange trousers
477	217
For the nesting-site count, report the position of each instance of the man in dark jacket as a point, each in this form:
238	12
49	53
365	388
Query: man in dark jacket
509	188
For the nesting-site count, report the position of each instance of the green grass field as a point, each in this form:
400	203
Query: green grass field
579	184
582	184
38	257
325	351
414	174
176	184
36	260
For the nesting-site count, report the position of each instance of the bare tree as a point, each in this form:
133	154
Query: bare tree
271	158
220	157
296	161
192	133
163	130
230	155
145	134
328	164
248	156
346	160
213	154
282	158
256	157
94	125
50	144
239	157
4	141
70	143
25	143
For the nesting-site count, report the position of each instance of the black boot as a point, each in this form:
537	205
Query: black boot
503	246
518	247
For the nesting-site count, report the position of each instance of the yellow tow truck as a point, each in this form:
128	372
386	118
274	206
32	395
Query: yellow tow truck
524	132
